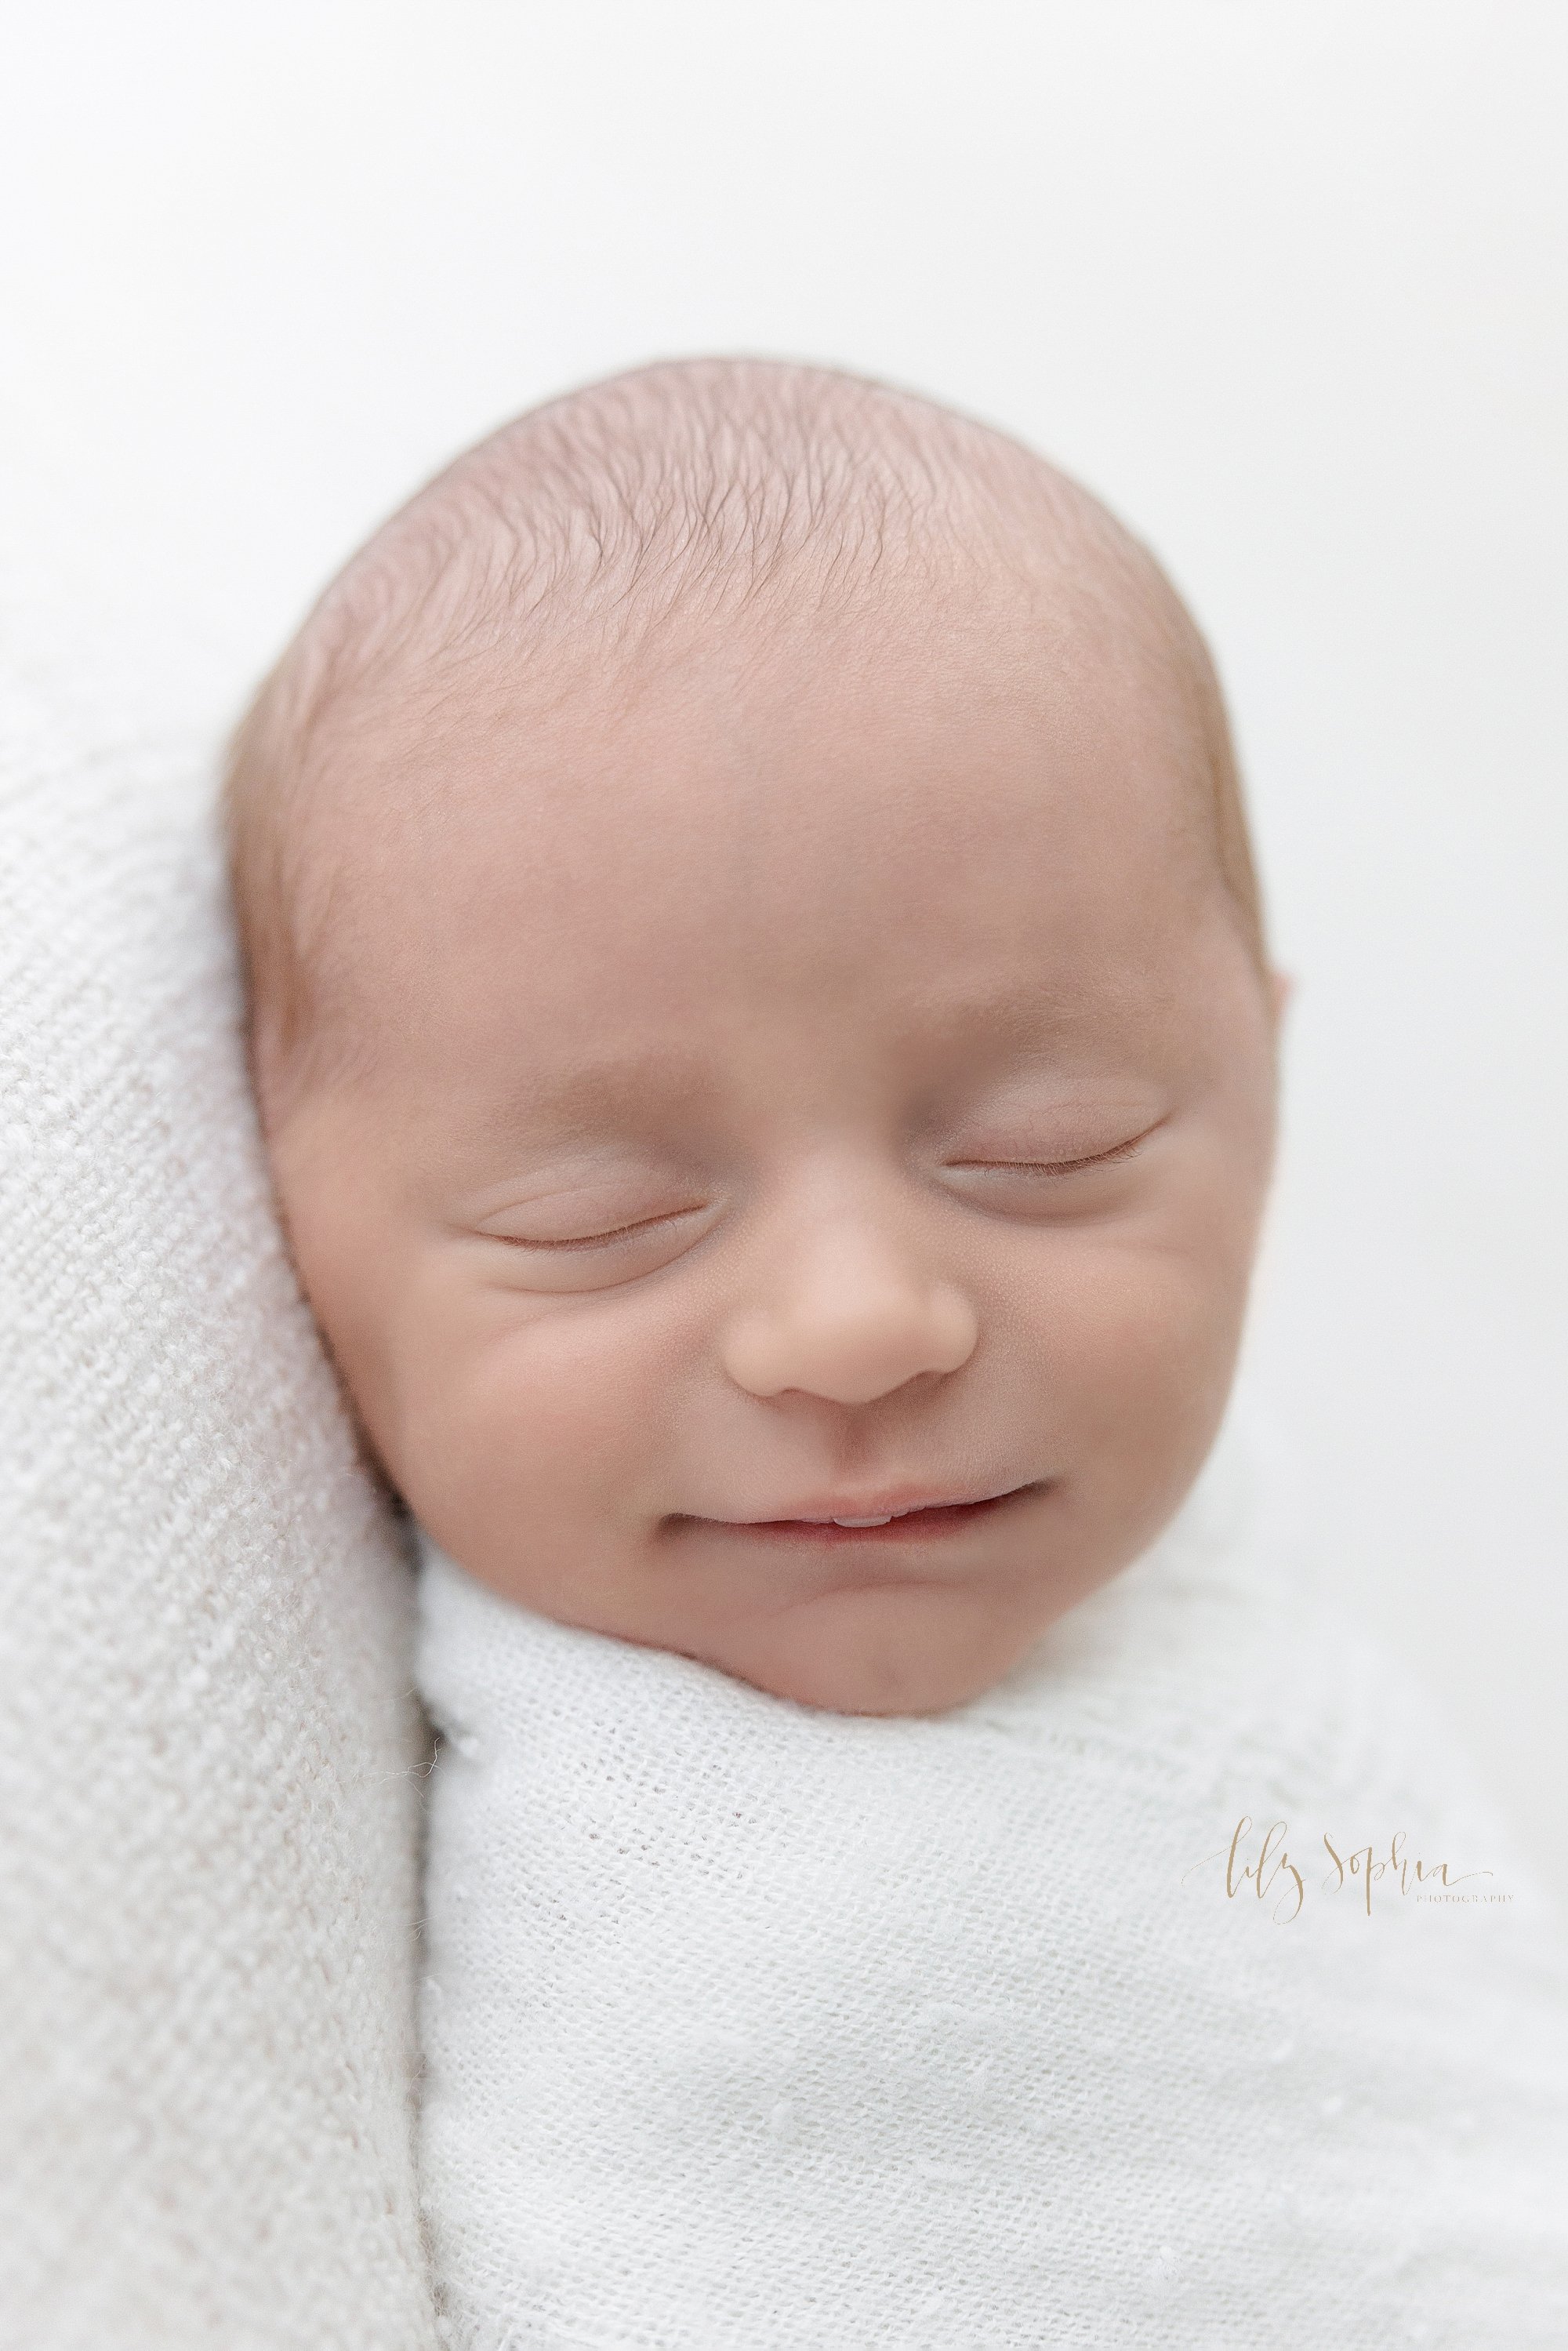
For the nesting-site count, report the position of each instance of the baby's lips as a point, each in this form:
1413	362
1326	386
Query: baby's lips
862	1513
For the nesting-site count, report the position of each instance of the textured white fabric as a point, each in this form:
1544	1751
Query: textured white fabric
209	1760
757	2029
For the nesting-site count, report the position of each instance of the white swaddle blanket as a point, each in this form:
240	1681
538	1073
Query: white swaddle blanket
753	2028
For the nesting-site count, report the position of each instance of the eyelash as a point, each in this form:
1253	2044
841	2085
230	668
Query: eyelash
596	1240
1057	1166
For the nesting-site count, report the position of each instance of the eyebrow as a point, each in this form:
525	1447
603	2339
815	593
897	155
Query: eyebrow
580	1099
1023	1015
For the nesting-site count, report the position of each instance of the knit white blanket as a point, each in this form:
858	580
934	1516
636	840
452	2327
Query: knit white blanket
752	2028
209	1756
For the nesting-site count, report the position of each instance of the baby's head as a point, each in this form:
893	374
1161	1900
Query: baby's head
762	1025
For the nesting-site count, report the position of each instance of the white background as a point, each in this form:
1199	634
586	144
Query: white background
1284	283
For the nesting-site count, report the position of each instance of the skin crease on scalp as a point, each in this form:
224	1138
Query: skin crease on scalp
797	1058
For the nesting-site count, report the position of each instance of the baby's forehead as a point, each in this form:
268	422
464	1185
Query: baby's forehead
769	836
829	795
907	719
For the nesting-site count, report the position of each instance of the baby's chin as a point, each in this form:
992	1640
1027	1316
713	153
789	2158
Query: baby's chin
911	1648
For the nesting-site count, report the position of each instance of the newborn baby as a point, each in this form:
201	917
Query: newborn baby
763	1028
764	1033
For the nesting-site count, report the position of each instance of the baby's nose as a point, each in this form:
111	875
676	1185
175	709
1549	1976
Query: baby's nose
853	1339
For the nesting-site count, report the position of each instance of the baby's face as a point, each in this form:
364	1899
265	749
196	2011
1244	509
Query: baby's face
800	1205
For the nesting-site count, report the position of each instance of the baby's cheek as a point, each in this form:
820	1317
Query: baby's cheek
1134	1338
1143	1352
546	1406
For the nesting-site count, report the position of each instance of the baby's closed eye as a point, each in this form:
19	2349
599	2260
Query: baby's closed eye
988	1161
586	1233
597	1236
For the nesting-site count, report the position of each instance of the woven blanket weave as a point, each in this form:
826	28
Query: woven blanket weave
210	1763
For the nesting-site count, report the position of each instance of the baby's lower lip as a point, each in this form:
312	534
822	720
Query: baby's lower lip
914	1526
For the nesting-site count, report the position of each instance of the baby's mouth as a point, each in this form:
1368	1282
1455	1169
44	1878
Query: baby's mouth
914	1522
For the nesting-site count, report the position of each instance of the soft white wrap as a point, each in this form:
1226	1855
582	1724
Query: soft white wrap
209	1756
753	2028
